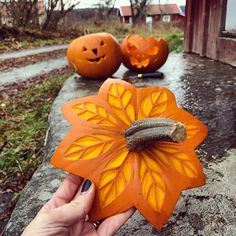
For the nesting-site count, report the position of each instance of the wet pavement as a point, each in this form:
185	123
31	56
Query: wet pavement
205	88
30	51
18	75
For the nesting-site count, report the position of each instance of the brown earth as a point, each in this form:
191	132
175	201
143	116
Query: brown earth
10	36
22	34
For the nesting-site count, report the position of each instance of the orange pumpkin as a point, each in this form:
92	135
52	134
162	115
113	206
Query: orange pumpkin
127	172
94	56
144	54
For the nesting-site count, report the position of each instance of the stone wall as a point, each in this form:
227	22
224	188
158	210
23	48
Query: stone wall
209	210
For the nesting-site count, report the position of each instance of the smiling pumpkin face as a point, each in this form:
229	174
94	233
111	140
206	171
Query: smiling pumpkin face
94	56
144	54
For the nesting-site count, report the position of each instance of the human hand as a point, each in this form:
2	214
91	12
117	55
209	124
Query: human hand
65	213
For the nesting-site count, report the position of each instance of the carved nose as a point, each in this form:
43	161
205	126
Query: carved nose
95	51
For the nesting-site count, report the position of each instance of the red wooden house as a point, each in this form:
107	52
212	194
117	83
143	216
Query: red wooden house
158	12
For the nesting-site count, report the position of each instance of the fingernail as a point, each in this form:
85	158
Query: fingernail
86	185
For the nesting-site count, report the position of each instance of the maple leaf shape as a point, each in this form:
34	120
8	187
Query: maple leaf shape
149	179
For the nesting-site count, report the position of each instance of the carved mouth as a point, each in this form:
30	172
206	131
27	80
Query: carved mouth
139	63
97	59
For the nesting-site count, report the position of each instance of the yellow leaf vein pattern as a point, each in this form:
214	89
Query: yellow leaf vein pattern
154	104
119	99
152	183
114	179
179	160
89	147
95	114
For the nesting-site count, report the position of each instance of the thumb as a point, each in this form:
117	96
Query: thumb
78	208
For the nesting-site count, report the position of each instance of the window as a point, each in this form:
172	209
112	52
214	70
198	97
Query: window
166	18
230	24
229	27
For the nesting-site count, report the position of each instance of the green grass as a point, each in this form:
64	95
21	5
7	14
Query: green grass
41	42
172	34
169	31
175	41
23	124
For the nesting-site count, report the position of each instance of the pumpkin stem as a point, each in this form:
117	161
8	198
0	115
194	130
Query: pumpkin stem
144	132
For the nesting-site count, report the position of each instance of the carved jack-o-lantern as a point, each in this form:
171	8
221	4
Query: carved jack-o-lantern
137	147
95	56
144	54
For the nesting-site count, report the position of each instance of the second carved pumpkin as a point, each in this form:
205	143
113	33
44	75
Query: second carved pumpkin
144	54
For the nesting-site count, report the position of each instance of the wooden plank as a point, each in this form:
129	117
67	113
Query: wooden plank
198	27
205	23
195	36
216	16
188	38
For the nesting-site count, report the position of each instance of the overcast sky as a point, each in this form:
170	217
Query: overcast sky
90	3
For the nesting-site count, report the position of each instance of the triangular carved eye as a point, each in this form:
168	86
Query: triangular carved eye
84	49
152	51
102	43
131	47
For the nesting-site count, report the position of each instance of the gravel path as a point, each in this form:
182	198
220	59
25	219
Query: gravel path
31	51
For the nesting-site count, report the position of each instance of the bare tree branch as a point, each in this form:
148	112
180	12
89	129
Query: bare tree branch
138	10
23	12
56	10
106	6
